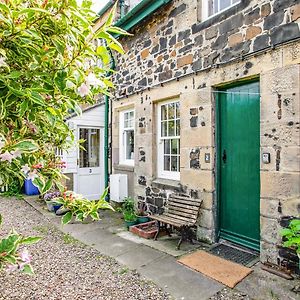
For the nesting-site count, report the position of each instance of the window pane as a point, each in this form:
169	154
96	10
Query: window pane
177	110
166	163
174	163
129	144
224	4
178	127
164	112
174	146
89	158
171	111
164	128
171	126
166	146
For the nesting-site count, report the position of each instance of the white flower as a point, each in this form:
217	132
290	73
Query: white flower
6	156
32	175
70	84
16	153
83	90
25	169
93	80
2	62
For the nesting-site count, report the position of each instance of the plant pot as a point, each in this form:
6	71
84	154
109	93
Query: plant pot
56	206
130	223
142	219
50	206
146	230
30	188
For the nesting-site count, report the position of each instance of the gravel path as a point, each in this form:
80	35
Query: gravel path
65	268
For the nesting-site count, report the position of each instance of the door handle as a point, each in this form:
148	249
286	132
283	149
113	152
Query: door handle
224	156
90	171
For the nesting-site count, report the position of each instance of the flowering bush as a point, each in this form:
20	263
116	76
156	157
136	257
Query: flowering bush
50	196
50	64
11	258
81	208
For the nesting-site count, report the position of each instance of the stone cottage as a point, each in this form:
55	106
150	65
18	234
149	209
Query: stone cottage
207	105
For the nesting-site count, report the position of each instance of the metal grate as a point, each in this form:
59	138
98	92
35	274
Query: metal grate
236	255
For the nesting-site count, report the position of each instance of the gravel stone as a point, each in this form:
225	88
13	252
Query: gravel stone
64	267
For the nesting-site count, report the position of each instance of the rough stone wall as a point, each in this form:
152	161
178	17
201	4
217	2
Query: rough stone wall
154	69
175	42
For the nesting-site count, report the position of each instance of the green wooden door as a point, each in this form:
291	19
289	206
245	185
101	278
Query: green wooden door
239	160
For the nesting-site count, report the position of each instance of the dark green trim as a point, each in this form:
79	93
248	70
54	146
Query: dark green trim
106	127
107	6
139	13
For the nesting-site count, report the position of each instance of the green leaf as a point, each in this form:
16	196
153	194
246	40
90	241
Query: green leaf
116	46
14	74
60	47
47	186
28	270
1	219
30	240
117	30
39	183
37	98
60	80
27	146
94	215
66	218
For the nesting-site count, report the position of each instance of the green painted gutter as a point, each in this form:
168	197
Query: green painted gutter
140	12
107	6
106	126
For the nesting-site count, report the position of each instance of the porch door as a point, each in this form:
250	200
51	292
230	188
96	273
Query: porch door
239	154
90	163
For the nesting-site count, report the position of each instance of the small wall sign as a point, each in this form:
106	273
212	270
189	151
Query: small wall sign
266	158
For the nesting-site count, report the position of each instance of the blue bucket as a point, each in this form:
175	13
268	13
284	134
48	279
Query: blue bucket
30	189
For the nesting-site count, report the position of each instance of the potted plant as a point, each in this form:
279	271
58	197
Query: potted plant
142	215
80	208
128	210
292	237
51	205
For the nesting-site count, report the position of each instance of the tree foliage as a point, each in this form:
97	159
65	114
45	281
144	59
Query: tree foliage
50	64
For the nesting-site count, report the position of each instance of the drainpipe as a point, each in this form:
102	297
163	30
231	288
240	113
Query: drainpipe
106	125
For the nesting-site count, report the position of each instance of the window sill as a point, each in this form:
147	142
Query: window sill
162	182
221	16
125	168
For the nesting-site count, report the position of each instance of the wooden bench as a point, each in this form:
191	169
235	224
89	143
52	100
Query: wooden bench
180	213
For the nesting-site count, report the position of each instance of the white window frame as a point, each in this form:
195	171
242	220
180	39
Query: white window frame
205	15
161	173
122	130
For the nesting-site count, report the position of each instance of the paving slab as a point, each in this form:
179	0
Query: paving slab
139	257
179	281
262	285
164	244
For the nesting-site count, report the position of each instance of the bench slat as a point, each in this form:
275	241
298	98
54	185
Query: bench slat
186	202
182	213
168	220
184	219
184	210
185	199
192	208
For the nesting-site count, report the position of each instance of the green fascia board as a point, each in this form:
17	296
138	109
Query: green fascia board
107	6
140	12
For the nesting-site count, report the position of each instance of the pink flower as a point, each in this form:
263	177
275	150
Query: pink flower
12	268
32	175
25	256
25	169
16	153
83	90
6	156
